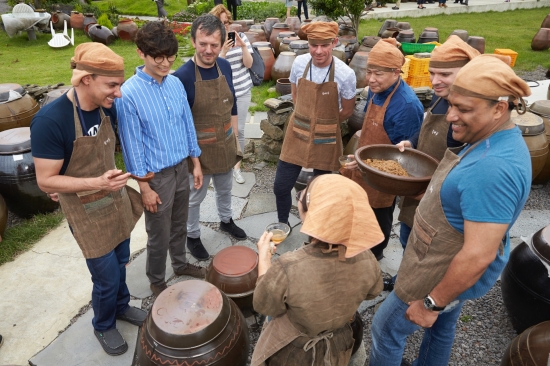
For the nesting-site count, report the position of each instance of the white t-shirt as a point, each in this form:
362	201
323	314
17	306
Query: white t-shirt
344	76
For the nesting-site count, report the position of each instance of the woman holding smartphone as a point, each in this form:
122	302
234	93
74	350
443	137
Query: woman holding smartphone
238	51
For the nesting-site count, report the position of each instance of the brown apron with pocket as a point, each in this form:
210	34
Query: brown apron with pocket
313	138
372	133
100	219
212	117
432	141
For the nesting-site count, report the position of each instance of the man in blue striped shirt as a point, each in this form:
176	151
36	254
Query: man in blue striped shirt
157	135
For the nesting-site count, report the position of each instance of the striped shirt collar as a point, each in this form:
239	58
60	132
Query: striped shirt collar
146	77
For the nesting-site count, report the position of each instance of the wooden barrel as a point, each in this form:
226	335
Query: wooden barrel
532	347
193	323
234	270
17	112
525	283
18	183
532	129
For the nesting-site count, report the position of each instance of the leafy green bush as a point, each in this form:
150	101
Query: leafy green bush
200	7
260	10
104	21
338	8
184	16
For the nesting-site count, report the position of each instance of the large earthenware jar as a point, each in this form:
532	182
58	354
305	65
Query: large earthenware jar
284	46
463	34
339	51
269	59
59	18
268	24
531	347
101	34
432	29
283	86
16	112
525	284
299	47
193	323
236	27
127	29
89	18
244	26
279	40
346	30
355	122
370	41
301	33
477	42
532	130
53	95
18	183
351	46
542	109
277	28
359	65
3	216
293	23
77	20
406	36
390	33
263	44
388	23
403	25
541	40
428	36
234	270
282	66
546	22
260	33
252	36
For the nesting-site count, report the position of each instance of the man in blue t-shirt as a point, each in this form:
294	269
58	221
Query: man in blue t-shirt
459	242
208	83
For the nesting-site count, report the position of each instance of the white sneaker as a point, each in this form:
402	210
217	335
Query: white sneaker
238	176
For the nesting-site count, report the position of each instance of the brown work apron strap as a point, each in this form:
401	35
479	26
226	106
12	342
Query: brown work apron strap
331	71
198	76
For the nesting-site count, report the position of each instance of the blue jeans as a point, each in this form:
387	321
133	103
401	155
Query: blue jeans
110	295
404	232
390	330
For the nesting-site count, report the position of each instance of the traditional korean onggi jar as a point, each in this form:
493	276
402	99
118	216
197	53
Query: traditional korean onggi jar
299	47
359	65
77	20
282	66
193	323
17	112
284	46
277	28
269	59
532	130
531	347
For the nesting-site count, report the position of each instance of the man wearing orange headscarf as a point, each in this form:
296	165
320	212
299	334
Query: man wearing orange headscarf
459	242
393	114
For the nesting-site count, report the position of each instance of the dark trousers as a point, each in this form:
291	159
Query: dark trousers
110	295
304	3
285	178
232	7
384	216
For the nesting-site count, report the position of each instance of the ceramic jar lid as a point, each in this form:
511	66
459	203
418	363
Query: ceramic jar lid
235	260
299	44
288	40
281	25
541	107
529	123
6	88
15	141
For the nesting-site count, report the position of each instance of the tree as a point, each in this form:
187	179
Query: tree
335	9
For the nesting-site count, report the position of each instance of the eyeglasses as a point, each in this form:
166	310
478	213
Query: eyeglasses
160	59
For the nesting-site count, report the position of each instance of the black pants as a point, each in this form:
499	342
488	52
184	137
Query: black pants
304	3
384	216
285	178
232	7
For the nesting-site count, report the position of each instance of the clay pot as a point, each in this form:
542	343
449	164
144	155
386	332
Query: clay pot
285	43
283	86
346	30
293	23
115	31
58	19
244	26
406	36
370	41
403	26
390	33
236	27
525	284
279	40
477	42
277	28
541	40
428	36
53	95
359	65
101	34
532	130
268	24
544	175
351	46
77	20
18	112
260	33
301	33
252	36
269	59
262	44
282	66
89	18
299	47
355	122
546	22
127	29
388	23
195	323
339	51
529	348
87	28
463	34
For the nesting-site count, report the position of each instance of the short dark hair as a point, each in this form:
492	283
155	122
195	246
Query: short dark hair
209	24
492	103
155	39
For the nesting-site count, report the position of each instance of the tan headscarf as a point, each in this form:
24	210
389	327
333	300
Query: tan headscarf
95	58
320	32
385	56
453	53
339	213
489	77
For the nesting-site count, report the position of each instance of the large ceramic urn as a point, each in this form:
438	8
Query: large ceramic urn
279	41
17	108
541	40
542	109
532	347
359	65
284	45
89	18
58	20
293	23
127	29
77	20
101	34
269	59
193	323
268	24
532	130
355	121
463	34
282	66
299	47
277	28
388	23
525	283
477	42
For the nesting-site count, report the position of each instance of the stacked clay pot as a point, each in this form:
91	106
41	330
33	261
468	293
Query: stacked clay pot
284	45
299	47
463	34
89	19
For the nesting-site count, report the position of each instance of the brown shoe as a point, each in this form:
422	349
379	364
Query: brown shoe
157	289
191	270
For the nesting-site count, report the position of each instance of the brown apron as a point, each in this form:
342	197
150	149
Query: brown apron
372	133
100	219
313	138
212	116
433	242
432	141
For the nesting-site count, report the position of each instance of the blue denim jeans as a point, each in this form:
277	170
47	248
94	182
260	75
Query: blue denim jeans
110	295
390	330
404	232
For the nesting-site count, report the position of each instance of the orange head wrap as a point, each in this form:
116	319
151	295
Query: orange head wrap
95	58
453	53
385	55
339	213
321	32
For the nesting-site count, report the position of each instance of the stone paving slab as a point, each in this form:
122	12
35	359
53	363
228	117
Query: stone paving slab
78	345
294	241
253	131
254	226
529	222
259	203
209	210
243	190
258	117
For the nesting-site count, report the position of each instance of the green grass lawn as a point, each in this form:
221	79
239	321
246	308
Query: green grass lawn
511	29
143	7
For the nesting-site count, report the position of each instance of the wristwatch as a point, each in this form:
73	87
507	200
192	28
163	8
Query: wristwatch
429	304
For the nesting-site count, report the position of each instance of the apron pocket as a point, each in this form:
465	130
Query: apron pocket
421	236
97	204
325	131
206	136
228	129
301	127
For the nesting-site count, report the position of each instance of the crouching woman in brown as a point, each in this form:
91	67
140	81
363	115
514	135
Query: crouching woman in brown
313	292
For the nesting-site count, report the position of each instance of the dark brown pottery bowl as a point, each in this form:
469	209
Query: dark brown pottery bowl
283	86
419	165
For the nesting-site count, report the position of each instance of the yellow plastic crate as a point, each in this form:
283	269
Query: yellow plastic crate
507	52
405	69
418	66
418	81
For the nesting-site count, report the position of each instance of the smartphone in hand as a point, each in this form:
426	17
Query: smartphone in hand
231	36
